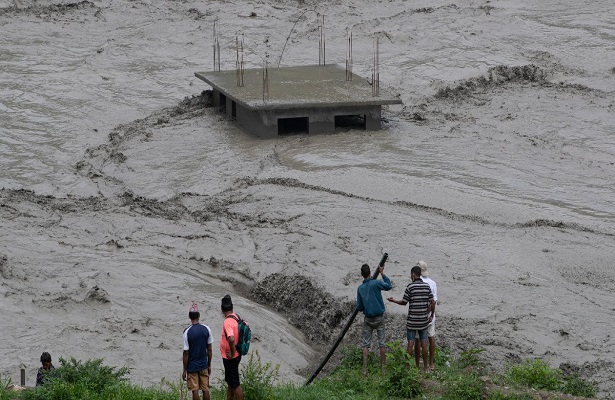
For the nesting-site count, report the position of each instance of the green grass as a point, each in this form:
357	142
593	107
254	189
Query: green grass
456	377
538	374
578	386
535	374
502	396
91	380
5	384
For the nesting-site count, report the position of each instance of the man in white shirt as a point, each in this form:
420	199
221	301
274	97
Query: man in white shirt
431	329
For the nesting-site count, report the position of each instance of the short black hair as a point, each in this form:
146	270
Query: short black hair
45	357
365	272
194	315
227	303
416	270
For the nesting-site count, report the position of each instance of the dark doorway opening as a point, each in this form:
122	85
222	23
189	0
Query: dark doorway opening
347	122
233	109
290	126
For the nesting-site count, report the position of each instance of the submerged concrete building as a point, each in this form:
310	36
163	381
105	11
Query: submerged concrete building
310	99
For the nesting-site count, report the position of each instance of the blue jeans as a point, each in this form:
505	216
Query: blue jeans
412	333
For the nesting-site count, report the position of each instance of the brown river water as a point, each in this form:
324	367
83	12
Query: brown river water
126	196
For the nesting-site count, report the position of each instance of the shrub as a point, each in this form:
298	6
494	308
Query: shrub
92	374
346	381
258	380
178	388
76	380
352	356
402	379
442	358
535	374
464	387
578	386
5	387
469	358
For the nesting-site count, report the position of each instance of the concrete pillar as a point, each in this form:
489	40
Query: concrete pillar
216	97
229	107
321	125
372	119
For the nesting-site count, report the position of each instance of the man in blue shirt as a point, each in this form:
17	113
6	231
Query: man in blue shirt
369	300
197	355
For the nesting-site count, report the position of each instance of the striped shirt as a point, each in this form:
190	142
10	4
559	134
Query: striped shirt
418	296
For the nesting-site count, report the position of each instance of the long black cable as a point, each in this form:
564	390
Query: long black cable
350	321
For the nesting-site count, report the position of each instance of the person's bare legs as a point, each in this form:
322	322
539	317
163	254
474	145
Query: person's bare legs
238	393
417	350
365	355
383	358
432	351
416	357
425	356
195	395
206	395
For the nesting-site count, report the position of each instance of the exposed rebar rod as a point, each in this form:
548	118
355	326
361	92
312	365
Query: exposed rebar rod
216	46
239	61
349	58
376	69
291	32
322	47
346	327
266	81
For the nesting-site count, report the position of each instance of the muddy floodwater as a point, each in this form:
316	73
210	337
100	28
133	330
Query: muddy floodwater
125	196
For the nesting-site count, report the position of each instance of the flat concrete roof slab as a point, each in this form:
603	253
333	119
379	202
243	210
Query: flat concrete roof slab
297	87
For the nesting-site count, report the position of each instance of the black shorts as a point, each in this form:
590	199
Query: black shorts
231	371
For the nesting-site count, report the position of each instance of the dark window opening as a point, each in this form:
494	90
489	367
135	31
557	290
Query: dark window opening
289	126
233	109
347	122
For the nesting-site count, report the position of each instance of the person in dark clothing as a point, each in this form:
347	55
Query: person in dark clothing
231	358
44	372
197	355
369	301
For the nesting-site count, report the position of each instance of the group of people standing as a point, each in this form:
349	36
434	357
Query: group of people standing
198	352
421	296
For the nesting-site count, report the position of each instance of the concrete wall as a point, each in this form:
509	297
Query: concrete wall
252	122
264	123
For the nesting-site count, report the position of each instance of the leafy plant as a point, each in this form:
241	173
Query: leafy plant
352	356
535	374
469	358
92	374
178	388
258	380
402	379
464	387
578	386
5	387
76	380
442	358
